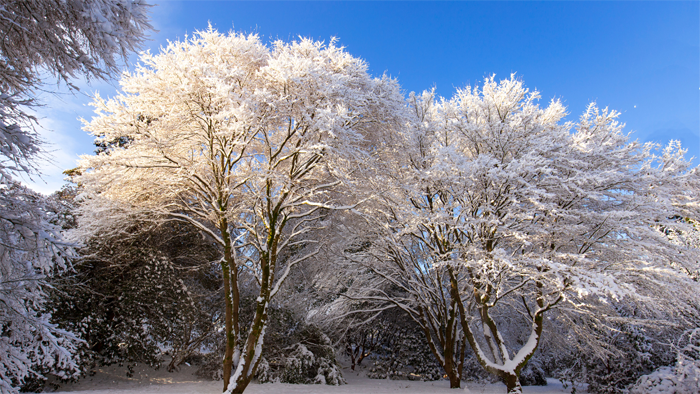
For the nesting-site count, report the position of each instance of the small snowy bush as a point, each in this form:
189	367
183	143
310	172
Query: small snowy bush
533	374
663	380
329	373
299	366
303	367
614	358
682	378
139	295
263	373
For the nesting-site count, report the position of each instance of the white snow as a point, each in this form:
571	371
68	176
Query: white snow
113	380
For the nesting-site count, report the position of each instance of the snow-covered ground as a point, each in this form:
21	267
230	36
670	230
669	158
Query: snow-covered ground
113	380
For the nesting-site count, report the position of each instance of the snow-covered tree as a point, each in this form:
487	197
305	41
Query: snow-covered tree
501	215
247	143
64	40
31	248
67	39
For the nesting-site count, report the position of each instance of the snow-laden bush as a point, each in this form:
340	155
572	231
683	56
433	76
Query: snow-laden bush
609	352
533	374
472	371
404	355
264	373
32	251
663	380
329	373
681	378
634	356
293	352
140	294
301	366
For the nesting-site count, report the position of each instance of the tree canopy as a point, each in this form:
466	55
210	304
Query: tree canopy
250	144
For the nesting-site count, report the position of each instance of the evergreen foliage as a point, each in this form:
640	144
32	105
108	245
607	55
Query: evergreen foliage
133	298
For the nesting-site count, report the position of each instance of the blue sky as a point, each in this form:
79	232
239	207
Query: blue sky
639	58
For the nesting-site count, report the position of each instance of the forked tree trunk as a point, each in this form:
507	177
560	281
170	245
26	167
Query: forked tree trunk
363	349
356	355
452	343
252	351
232	300
511	376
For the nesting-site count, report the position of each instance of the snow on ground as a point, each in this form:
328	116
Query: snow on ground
113	380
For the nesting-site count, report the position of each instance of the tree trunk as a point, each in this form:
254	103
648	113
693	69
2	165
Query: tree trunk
452	357
231	297
453	366
350	351
513	384
455	381
228	320
252	351
360	358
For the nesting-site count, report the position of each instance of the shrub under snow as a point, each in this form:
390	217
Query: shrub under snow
682	378
303	367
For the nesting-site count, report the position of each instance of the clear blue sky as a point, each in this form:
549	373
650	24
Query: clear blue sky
639	58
